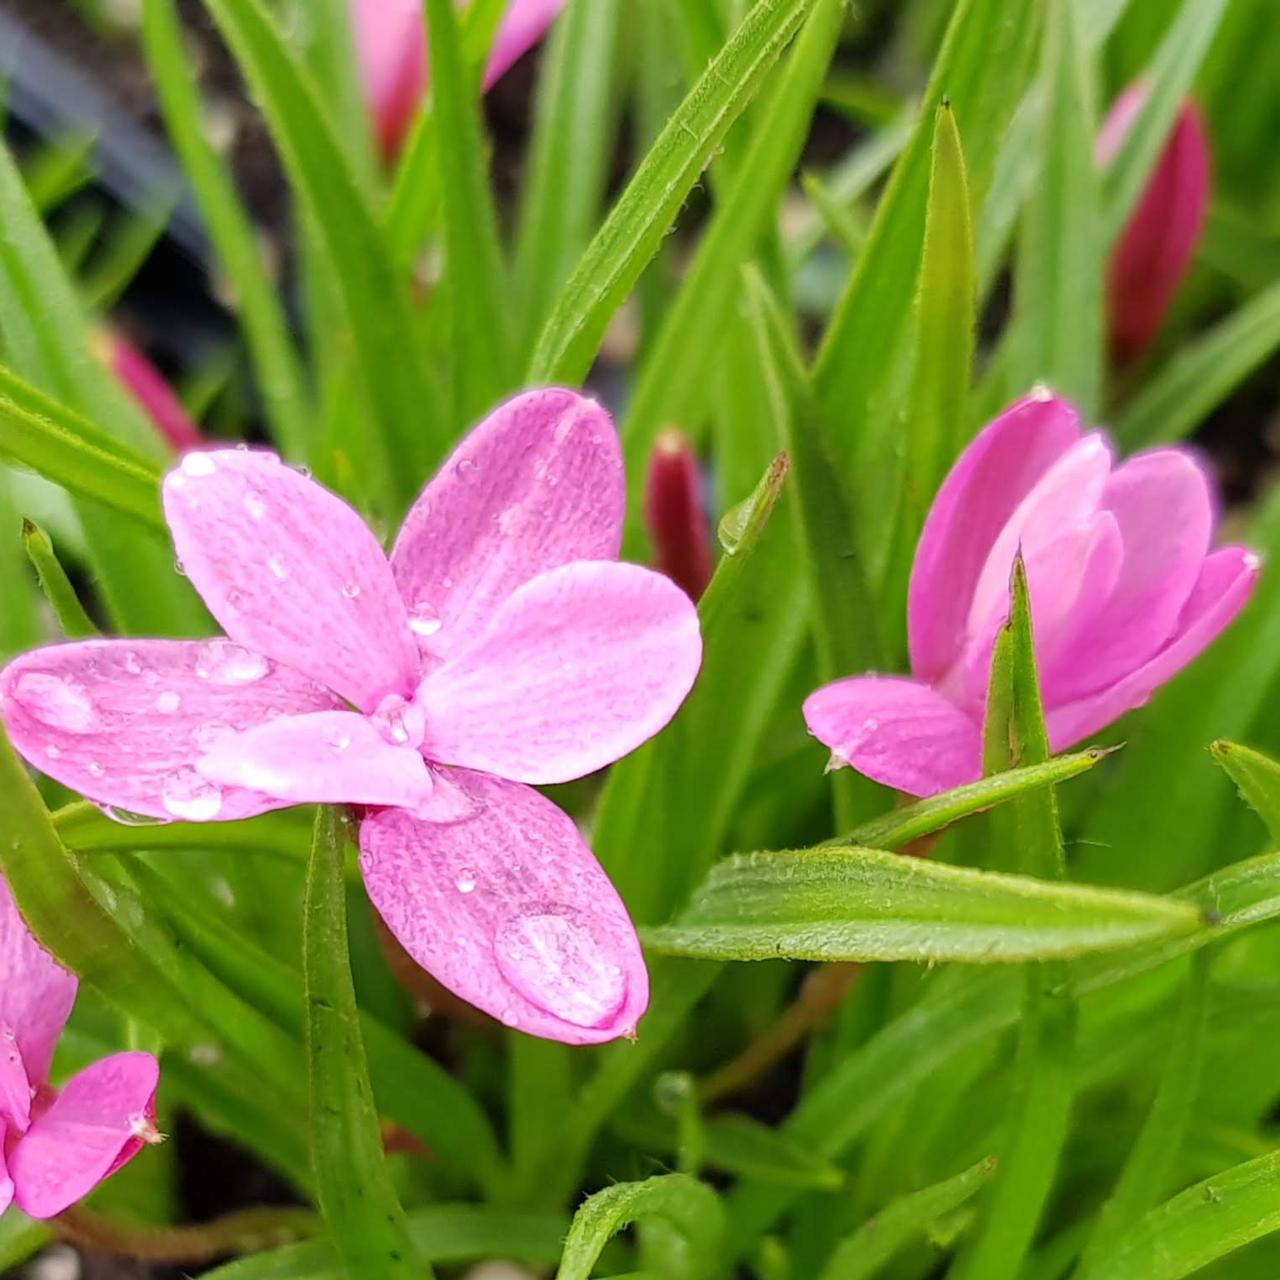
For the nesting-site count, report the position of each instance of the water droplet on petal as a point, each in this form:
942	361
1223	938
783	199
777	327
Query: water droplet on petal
127	818
466	469
168	702
198	464
56	702
424	620
94	769
279	568
554	961
179	569
53	751
223	662
351	591
132	663
340	741
465	881
190	797
255	505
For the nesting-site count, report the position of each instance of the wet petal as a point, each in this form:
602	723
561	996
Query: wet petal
123	722
327	757
1223	589
36	995
899	732
290	570
975	502
15	1087
100	1121
509	909
536	485
577	668
6	1182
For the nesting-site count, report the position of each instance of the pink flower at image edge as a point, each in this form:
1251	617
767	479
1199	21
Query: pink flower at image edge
56	1146
500	647
393	56
1124	591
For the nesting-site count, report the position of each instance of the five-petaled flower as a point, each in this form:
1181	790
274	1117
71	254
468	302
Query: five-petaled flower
501	645
1124	593
57	1145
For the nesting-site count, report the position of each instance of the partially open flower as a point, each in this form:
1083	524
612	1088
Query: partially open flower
57	1145
146	384
1155	248
674	517
1124	591
393	56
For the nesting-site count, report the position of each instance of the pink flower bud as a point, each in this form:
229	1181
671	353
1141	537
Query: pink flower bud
1155	248
147	386
393	56
674	516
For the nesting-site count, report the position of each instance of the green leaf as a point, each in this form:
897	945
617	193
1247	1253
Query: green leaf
672	384
1057	330
1201	1224
353	1187
634	229
744	1147
689	1207
865	904
61	595
475	276
1258	778
266	330
408	425
901	826
873	1244
132	241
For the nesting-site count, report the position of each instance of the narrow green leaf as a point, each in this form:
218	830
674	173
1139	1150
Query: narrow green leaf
59	169
1149	1168
131	243
743	1146
61	595
865	904
275	360
846	227
1258	778
473	256
1057	332
688	1207
901	826
353	1187
634	229
873	1244
1201	1224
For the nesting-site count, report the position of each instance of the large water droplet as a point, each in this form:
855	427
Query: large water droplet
279	568
56	702
198	464
225	663
168	702
424	620
554	961
127	818
190	797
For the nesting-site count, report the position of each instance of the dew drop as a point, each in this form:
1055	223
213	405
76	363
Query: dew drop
53	751
279	569
127	817
56	702
190	797
554	961
340	741
466	469
465	881
351	591
198	464
179	569
424	620
94	769
168	702
223	662
132	663
255	505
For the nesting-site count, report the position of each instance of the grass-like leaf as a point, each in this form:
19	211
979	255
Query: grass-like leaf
1258	778
61	595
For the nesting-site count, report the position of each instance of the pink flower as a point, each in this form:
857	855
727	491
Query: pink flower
147	386
393	56
1124	593
501	646
673	515
1156	246
56	1146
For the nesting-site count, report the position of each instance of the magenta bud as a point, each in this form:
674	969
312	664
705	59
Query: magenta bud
674	517
147	386
1155	248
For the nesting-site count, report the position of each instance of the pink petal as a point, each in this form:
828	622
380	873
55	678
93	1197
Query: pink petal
522	28
536	485
6	1182
577	668
36	995
99	1122
1164	508
123	722
326	757
897	731
290	570
509	910
15	1087
393	64
1225	583
975	502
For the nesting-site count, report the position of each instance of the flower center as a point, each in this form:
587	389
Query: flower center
401	722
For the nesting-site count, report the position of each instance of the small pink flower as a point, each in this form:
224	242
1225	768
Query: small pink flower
501	646
146	384
56	1146
1156	246
1124	593
674	517
393	56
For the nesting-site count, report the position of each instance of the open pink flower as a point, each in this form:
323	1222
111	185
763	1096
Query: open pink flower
1124	593
1156	246
393	56
56	1146
501	645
